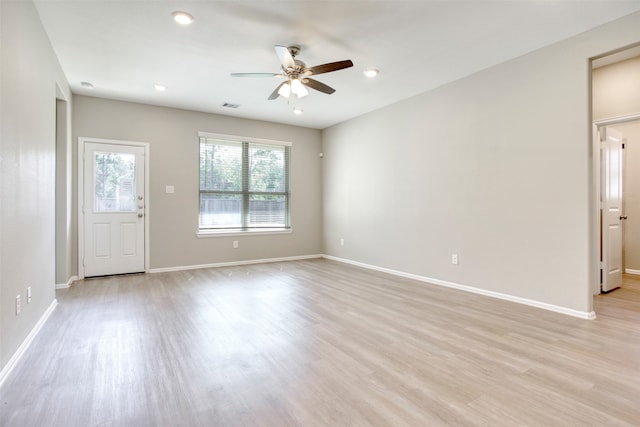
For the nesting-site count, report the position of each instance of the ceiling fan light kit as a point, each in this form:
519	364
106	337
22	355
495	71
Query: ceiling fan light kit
294	86
284	90
298	89
296	72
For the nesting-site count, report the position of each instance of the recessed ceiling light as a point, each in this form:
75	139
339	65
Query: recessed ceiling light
86	85
160	88
182	18
298	111
371	72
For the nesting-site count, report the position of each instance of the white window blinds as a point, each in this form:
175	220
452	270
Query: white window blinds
243	185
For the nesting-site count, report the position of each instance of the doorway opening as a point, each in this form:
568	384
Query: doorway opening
615	83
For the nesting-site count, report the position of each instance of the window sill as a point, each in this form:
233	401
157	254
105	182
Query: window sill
227	233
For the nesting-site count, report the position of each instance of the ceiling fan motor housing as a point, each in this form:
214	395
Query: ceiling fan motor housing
300	66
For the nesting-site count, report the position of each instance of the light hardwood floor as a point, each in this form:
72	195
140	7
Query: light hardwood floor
319	343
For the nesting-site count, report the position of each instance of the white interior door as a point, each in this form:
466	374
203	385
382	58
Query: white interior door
114	209
611	194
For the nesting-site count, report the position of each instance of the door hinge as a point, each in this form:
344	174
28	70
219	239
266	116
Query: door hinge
623	145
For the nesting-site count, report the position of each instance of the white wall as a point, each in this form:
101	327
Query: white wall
173	138
495	167
30	74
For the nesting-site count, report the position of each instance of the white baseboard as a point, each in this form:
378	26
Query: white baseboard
68	284
6	370
233	263
558	309
631	271
533	303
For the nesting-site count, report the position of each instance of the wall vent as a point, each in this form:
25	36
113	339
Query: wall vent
230	105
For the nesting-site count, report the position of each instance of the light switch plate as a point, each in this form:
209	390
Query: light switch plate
169	189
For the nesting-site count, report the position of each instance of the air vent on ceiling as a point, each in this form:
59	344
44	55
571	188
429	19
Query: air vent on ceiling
230	105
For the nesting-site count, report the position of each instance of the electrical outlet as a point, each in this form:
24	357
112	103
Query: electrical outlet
18	305
169	189
454	259
235	244
29	295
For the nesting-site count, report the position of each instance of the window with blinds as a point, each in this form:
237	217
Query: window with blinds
244	185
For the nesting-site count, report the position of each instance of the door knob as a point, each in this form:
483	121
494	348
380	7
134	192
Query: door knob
140	215
623	217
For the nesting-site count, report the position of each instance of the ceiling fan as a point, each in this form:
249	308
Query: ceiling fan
296	74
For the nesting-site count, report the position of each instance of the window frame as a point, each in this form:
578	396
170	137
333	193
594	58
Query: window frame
246	194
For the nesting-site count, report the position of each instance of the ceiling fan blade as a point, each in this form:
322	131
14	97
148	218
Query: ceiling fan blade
314	84
256	75
285	57
327	68
275	93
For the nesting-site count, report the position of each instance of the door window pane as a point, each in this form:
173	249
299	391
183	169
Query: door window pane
115	182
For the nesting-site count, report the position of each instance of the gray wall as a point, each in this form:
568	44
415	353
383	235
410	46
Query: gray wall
495	167
30	79
173	138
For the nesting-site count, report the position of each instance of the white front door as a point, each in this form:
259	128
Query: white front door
611	157
114	209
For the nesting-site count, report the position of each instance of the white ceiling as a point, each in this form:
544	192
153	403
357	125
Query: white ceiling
124	47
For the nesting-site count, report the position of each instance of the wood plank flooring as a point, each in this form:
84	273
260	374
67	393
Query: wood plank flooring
319	343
